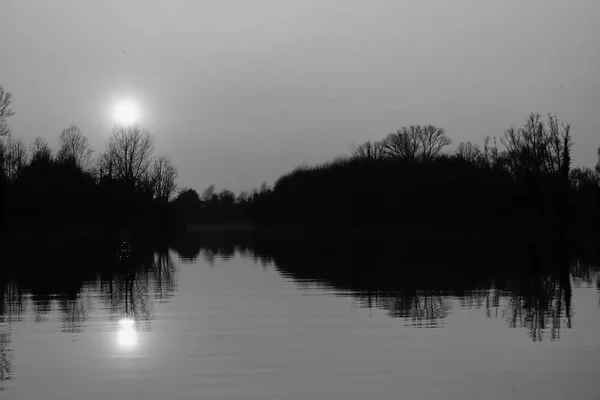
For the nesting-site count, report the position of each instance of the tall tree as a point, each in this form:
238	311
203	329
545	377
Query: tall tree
74	147
5	111
403	144
40	151
469	152
14	158
433	140
539	148
163	177
129	154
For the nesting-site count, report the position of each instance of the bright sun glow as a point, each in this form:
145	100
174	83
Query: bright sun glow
127	112
126	335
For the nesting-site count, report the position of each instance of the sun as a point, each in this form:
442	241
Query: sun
127	112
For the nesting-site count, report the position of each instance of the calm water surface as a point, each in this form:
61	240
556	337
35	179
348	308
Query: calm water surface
231	321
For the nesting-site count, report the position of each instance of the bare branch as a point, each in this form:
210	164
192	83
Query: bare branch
13	158
5	111
416	142
402	145
368	151
74	147
40	151
538	147
433	140
163	177
129	152
469	152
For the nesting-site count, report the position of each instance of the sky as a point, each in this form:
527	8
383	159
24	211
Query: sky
238	92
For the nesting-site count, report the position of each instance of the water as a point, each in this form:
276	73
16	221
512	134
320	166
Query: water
247	319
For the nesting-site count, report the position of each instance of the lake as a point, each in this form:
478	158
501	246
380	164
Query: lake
246	318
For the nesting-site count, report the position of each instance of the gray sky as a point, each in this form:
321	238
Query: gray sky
241	91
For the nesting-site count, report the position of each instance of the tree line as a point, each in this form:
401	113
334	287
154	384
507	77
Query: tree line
409	179
124	186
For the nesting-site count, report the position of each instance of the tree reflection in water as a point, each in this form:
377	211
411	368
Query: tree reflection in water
417	281
5	358
129	292
126	278
528	286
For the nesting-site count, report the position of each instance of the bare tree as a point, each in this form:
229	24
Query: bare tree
433	140
403	144
74	147
469	152
40	151
163	177
5	111
368	151
559	143
581	178
103	166
538	147
416	142
13	157
129	154
3	157
490	151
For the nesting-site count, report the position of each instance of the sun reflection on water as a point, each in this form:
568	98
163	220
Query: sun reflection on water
126	334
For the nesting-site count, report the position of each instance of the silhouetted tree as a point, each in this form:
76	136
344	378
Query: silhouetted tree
416	142
13	157
103	166
433	140
226	197
187	196
129	154
187	205
585	184
368	151
598	163
5	111
163	177
538	148
209	194
59	191
264	188
582	178
3	156
40	152
403	144
490	152
74	147
242	197
469	152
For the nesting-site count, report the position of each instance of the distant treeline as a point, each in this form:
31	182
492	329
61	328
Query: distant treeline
406	179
